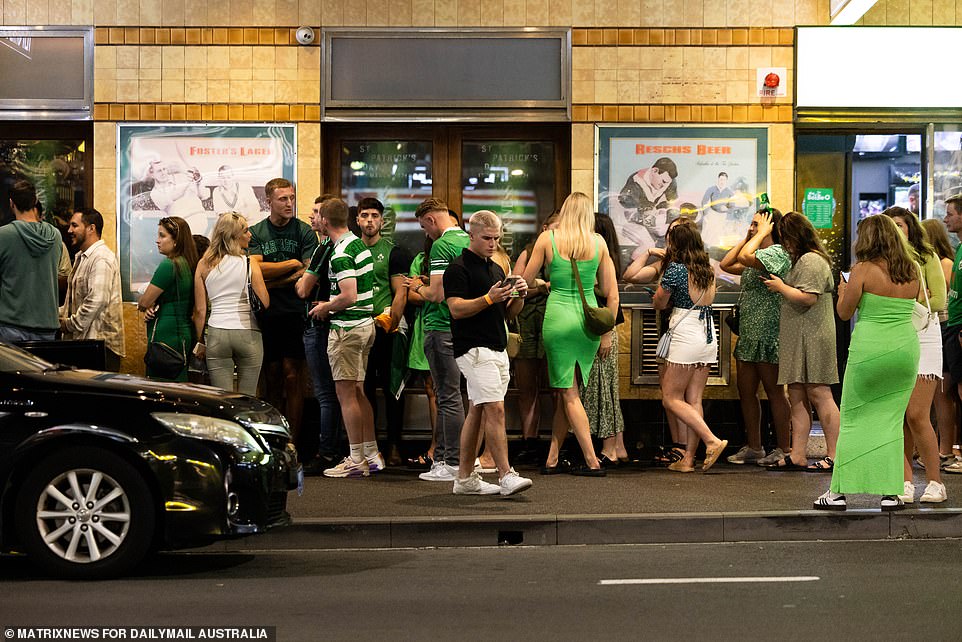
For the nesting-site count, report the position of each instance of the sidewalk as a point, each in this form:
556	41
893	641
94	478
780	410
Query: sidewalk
635	505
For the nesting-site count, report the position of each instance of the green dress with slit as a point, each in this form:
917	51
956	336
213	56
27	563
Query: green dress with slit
883	361
567	342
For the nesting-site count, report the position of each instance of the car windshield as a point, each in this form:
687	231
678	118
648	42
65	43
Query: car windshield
16	360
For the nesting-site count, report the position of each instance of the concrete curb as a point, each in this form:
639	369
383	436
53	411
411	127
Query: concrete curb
561	530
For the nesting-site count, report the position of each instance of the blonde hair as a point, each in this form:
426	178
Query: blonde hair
224	240
576	226
483	219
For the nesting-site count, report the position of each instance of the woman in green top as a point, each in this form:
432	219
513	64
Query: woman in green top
918	431
169	299
754	258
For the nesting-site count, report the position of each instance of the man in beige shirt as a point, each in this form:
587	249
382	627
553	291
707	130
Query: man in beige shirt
93	306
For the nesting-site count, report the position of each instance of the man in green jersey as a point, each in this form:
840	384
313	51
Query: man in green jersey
449	241
283	244
391	265
351	337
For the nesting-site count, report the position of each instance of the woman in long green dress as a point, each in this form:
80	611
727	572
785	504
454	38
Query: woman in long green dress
569	346
169	299
883	361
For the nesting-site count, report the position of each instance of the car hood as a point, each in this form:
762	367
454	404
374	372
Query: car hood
108	384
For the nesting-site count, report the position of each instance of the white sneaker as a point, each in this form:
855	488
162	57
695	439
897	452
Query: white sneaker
474	485
513	483
772	458
908	493
376	462
349	468
891	502
440	472
746	455
934	493
829	501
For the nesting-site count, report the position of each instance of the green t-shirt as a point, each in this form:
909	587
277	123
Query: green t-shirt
955	304
381	253
296	240
351	259
444	250
416	358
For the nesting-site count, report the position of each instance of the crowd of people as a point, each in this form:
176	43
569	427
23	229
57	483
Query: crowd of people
261	305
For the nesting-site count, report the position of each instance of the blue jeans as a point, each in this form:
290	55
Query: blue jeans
439	350
14	333
315	350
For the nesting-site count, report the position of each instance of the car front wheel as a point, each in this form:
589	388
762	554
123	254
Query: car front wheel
85	513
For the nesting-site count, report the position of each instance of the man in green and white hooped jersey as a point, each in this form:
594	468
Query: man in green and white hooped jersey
391	265
351	336
449	241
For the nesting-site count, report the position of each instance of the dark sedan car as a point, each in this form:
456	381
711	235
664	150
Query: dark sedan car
97	469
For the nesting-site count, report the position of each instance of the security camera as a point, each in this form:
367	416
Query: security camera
305	35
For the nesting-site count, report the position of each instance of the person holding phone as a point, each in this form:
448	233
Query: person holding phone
756	352
806	337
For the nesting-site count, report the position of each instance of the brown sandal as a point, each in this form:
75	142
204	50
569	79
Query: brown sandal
711	456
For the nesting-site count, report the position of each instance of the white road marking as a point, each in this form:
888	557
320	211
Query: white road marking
711	580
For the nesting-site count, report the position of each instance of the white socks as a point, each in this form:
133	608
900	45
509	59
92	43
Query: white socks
357	453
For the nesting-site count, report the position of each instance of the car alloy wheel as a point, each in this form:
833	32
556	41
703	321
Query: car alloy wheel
84	513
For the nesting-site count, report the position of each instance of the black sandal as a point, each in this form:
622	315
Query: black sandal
823	465
668	455
785	465
421	462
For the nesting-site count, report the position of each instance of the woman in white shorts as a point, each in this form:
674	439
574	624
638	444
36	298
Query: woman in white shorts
688	284
919	434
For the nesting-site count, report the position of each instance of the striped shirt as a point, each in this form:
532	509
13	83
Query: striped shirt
444	250
351	259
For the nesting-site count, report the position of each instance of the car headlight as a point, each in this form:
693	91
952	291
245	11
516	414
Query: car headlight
268	420
210	429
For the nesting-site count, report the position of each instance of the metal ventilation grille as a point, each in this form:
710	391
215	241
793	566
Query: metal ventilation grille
645	332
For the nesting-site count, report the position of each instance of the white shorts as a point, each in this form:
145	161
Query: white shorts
486	373
930	350
689	343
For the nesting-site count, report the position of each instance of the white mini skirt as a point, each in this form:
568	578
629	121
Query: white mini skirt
689	340
930	350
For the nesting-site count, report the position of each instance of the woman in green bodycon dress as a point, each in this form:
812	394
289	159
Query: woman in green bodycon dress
569	346
169	299
883	360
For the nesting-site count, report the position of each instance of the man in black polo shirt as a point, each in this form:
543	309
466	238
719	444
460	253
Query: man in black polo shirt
480	299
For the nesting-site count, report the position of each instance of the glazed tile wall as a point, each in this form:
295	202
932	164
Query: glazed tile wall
466	13
634	61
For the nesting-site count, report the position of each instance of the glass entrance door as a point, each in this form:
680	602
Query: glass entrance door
520	173
842	178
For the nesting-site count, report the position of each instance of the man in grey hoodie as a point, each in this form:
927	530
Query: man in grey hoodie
29	253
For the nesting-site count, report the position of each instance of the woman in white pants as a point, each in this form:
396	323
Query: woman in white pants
233	337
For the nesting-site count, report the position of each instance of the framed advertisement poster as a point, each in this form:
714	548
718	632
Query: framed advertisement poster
196	172
649	176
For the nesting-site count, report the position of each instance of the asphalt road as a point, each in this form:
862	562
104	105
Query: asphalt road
877	590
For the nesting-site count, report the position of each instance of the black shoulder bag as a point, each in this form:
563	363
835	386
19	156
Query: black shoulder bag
164	360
